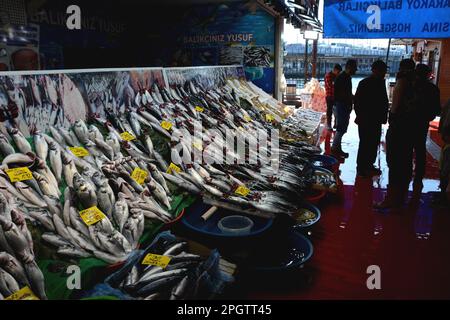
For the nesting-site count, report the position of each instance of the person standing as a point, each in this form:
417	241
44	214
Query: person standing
399	145
343	99
371	108
427	107
330	77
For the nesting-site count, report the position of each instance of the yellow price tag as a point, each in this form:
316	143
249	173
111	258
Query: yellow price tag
198	145
199	109
173	167
156	260
139	175
269	117
80	152
242	191
127	136
19	174
23	294
92	215
166	125
241	128
247	118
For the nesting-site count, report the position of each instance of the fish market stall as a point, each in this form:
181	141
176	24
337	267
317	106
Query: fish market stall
94	163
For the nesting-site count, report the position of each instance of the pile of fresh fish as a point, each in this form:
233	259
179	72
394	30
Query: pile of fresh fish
302	124
101	179
184	277
18	267
257	57
190	106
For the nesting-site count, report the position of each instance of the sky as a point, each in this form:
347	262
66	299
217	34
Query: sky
292	35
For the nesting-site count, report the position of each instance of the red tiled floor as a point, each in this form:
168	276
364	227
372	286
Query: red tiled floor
411	245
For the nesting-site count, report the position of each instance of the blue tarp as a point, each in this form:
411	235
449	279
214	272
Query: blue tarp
387	19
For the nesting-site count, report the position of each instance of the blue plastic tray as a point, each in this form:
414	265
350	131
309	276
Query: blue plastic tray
192	219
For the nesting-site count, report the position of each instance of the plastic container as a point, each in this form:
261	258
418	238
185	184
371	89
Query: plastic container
327	162
235	225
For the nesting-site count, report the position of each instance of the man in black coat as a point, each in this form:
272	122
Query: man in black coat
371	108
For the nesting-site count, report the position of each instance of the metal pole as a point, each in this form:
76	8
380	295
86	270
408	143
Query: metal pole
388	49
305	68
314	59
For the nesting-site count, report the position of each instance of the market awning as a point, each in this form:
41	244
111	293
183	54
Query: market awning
386	19
302	14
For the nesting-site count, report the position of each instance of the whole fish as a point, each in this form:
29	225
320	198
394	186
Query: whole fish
105	202
18	159
41	145
85	191
46	187
57	136
69	168
83	242
17	241
55	161
43	218
31	195
11	265
156	174
8	285
5	147
73	252
36	279
120	213
55	240
77	223
94	133
22	144
81	131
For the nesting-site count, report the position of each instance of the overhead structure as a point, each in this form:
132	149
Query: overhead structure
302	14
386	19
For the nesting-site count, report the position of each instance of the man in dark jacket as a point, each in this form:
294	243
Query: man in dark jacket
343	98
427	107
371	108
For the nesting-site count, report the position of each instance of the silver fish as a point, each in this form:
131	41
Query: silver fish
11	265
55	240
22	144
36	279
5	147
73	252
81	240
104	201
85	191
81	130
41	145
69	169
8	285
120	213
109	258
18	158
31	195
77	223
156	174
55	161
43	218
159	193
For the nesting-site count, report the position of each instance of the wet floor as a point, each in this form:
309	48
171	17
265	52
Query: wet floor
411	246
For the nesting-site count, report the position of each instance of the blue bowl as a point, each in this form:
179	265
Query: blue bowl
323	161
192	219
306	224
291	254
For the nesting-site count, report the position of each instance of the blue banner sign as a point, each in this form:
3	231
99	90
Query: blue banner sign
387	19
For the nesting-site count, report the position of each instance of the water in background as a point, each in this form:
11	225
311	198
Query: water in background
355	81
